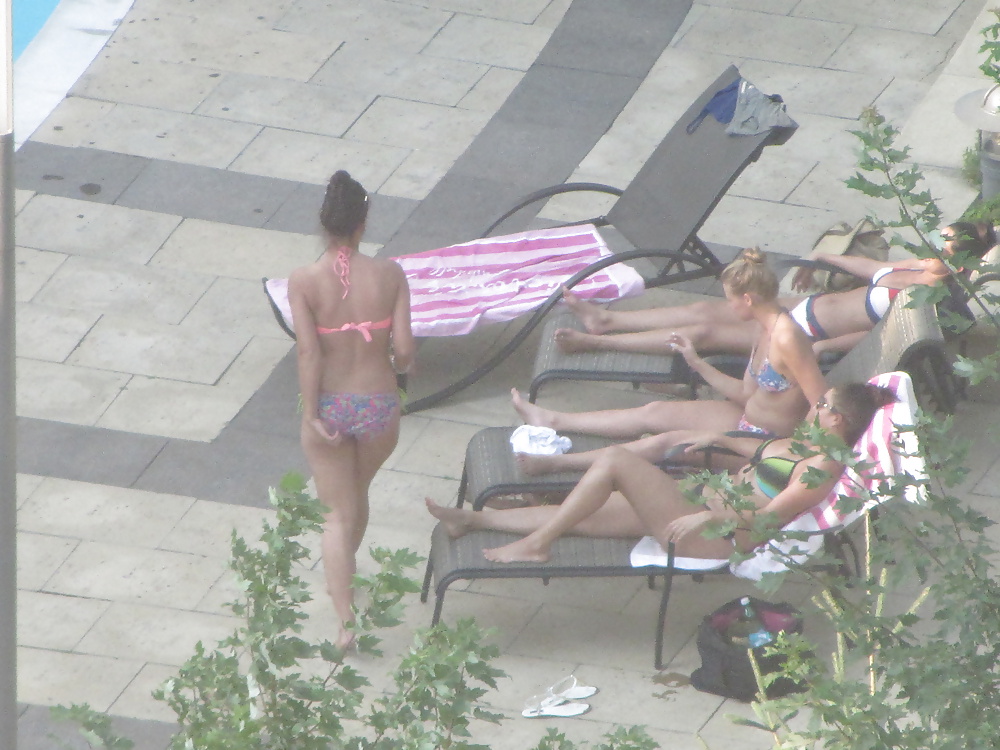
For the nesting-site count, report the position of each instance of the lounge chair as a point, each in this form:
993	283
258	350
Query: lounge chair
451	560
659	213
907	338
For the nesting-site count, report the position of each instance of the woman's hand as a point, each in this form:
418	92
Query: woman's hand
678	342
700	441
682	527
320	428
803	280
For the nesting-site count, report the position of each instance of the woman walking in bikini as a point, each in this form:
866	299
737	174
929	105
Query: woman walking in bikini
352	319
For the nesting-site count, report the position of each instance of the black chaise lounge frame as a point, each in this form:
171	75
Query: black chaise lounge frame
659	213
908	338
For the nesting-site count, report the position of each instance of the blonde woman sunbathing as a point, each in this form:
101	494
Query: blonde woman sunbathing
623	495
834	322
781	380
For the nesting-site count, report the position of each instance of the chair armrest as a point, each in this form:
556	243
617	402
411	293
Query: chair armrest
544	193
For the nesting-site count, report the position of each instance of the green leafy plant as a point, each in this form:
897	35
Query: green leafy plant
914	660
970	170
991	46
266	687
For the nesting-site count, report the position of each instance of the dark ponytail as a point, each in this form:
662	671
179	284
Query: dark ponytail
345	206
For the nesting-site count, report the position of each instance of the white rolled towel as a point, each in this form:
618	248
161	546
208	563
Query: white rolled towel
539	441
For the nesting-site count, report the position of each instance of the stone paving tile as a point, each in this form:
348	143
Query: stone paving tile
923	16
32	270
51	678
235	307
135	575
374	68
157	134
489	41
136	699
817	91
492	90
35	726
162	351
74	395
172	409
173	86
279	103
202	247
800	41
206	527
400	26
141	633
216	41
98	513
93	229
520	11
54	621
742	221
38	557
50	333
417	125
97	285
313	158
915	55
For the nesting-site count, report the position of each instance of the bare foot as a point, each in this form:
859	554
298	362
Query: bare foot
532	465
571	341
531	413
345	641
594	318
523	550
457	521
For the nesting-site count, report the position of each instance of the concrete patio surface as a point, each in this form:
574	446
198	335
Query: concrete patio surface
156	395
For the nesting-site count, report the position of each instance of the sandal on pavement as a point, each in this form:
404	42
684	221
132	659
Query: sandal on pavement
568	689
537	706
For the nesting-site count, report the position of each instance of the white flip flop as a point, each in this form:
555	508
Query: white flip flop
568	689
536	707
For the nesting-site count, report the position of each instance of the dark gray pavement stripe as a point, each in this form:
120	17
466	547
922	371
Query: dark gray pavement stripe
586	73
188	190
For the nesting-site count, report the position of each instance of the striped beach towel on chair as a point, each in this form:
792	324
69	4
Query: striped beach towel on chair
495	279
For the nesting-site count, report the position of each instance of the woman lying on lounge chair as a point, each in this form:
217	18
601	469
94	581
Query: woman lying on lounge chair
623	495
835	322
781	380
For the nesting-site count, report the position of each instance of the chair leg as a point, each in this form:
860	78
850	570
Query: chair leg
425	589
668	579
438	606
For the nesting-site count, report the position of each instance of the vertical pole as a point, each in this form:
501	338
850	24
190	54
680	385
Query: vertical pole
8	414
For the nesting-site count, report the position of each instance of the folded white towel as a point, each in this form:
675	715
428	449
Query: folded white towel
539	441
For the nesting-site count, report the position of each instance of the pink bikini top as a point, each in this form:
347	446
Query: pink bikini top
342	265
365	328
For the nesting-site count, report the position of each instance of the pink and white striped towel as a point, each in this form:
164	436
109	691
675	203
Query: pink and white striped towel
496	279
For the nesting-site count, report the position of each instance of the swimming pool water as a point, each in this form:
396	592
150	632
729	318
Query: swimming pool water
29	16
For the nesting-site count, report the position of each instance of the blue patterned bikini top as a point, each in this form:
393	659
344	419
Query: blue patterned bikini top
768	379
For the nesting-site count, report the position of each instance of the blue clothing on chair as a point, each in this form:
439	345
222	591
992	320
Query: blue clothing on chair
721	106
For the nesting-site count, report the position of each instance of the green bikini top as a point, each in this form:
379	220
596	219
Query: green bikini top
774	473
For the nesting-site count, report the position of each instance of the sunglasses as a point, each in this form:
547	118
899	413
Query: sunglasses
825	404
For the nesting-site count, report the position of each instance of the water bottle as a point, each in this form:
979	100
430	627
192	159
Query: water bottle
748	630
